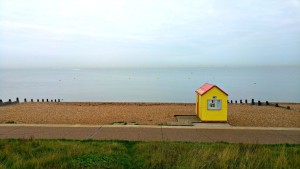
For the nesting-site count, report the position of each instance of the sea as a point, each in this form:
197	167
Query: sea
174	84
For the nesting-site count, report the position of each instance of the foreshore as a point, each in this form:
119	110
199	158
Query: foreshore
101	113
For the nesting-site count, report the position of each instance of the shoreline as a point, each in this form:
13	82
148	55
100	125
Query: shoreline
148	103
271	104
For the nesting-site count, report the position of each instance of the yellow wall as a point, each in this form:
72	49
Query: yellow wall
197	102
212	115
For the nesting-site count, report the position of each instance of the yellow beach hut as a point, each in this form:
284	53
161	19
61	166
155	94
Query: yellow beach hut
211	103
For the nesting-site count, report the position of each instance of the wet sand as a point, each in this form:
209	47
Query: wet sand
143	113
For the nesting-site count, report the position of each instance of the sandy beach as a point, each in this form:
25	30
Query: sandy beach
143	113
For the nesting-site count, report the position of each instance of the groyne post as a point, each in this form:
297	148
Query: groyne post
231	101
17	100
241	101
58	100
246	101
38	100
259	103
235	102
1	101
9	100
25	100
47	100
31	100
42	100
252	102
267	103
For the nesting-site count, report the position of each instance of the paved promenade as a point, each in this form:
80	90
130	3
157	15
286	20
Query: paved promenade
154	133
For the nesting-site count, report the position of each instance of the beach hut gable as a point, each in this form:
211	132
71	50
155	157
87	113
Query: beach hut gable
207	87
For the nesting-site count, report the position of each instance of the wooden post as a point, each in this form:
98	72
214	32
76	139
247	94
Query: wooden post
47	100
17	100
241	101
235	102
1	101
25	100
58	100
252	102
51	100
246	101
42	100
9	100
31	100
54	100
38	100
276	105
259	103
267	103
231	101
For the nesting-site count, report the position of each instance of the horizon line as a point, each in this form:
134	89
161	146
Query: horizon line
150	66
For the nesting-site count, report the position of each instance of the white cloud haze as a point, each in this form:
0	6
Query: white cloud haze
92	33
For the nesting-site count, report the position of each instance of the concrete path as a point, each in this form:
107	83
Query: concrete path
154	133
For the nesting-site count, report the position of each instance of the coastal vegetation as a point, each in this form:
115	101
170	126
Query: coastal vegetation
36	153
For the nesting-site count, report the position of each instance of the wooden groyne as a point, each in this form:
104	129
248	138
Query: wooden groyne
257	103
10	102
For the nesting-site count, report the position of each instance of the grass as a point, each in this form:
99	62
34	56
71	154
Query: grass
32	153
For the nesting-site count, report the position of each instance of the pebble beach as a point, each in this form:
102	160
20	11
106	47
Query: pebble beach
95	113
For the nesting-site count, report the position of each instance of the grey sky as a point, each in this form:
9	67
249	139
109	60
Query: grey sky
95	33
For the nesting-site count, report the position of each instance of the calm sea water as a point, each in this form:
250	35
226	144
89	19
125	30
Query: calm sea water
280	84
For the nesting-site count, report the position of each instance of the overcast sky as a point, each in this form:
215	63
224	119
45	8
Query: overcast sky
96	33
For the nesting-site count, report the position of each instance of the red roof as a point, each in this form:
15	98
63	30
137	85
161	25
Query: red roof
206	87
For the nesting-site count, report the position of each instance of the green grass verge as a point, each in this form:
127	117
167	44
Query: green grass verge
32	153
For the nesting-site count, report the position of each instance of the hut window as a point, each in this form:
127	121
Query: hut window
214	104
